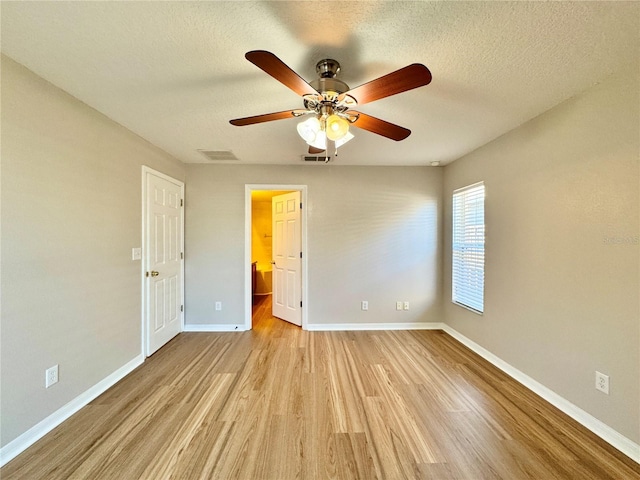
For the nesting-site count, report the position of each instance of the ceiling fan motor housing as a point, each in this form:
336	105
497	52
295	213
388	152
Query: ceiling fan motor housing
328	86
327	70
324	85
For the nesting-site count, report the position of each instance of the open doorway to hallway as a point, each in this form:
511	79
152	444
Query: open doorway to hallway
275	241
262	251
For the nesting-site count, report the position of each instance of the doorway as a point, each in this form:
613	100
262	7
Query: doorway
264	267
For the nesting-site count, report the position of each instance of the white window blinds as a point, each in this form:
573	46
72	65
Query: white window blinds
468	247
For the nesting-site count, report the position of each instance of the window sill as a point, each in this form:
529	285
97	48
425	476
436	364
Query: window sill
477	312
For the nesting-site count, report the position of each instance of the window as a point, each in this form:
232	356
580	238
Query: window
468	247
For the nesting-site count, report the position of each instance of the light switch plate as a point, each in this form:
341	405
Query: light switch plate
136	254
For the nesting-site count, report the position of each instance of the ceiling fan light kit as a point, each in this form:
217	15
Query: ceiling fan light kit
330	102
317	129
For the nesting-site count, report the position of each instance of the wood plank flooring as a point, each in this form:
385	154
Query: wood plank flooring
281	403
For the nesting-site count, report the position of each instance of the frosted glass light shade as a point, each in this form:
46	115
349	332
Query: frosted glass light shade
337	127
344	139
320	141
309	129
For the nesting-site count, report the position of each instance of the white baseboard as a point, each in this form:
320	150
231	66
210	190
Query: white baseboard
339	327
608	434
326	327
214	328
35	433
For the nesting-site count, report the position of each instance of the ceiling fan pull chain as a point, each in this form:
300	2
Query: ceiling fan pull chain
326	140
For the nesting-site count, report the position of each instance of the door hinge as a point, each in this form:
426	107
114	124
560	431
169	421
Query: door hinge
300	254
300	205
182	308
300	303
181	256
181	203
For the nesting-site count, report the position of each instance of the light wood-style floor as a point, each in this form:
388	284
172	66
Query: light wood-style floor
281	403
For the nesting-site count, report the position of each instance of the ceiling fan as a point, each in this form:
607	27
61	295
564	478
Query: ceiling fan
329	102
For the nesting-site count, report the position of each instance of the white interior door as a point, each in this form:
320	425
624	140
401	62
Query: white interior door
163	260
287	257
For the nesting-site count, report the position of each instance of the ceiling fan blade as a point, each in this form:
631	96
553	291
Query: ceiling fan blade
267	117
275	67
407	78
381	127
314	150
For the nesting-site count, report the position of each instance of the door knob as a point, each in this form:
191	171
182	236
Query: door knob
154	273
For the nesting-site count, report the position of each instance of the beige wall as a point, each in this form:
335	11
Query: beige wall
261	235
373	234
71	213
562	254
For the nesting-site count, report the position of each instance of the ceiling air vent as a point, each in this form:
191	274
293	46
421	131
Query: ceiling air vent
316	158
218	155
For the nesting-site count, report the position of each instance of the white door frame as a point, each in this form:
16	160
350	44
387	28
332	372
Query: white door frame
248	300
143	264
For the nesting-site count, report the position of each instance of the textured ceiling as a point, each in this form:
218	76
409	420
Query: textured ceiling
175	72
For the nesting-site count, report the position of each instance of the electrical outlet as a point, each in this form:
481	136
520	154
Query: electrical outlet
218	306
406	306
398	305
365	305
51	376
602	382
